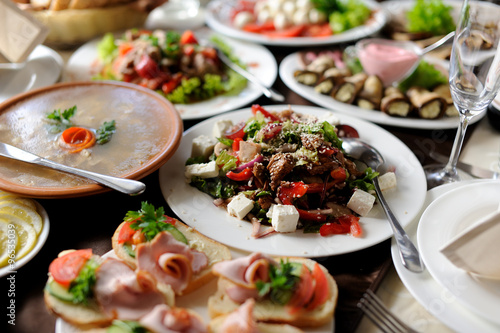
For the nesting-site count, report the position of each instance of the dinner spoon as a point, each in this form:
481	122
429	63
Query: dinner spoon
128	186
372	158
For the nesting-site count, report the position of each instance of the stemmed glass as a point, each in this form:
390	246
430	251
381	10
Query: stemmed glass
474	76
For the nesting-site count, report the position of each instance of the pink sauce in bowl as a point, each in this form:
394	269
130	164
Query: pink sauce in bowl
390	60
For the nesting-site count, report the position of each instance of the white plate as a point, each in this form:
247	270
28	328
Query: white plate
496	102
196	301
292	62
83	65
447	216
43	67
197	209
218	18
39	243
432	296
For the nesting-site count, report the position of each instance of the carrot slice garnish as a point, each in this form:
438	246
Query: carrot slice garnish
75	139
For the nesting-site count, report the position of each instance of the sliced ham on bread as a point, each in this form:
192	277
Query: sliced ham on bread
169	261
117	293
242	320
238	281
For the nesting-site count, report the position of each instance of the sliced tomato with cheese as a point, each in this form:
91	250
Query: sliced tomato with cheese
66	268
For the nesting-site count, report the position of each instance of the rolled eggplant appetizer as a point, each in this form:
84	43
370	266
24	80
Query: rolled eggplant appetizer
309	78
444	91
321	64
370	95
347	91
395	103
427	104
332	78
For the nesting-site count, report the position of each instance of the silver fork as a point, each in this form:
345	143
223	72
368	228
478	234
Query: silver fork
378	313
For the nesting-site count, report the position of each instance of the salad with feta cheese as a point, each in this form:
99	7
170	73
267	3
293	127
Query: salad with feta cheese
286	171
176	65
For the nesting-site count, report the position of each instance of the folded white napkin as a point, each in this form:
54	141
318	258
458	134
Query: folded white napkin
477	248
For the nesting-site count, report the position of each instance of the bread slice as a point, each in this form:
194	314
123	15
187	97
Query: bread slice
83	317
88	316
215	252
59	4
267	311
215	326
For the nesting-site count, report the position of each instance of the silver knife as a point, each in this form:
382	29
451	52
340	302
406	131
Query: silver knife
123	185
471	169
269	92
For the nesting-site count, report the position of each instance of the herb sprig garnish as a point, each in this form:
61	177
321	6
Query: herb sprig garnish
148	219
105	132
282	280
82	287
61	120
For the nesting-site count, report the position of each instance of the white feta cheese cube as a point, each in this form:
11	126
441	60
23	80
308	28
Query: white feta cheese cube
220	127
284	218
361	202
269	213
387	181
240	206
203	145
203	170
331	118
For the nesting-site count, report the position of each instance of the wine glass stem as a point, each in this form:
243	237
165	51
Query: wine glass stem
451	167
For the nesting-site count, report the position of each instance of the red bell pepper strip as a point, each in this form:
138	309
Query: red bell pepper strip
257	108
287	193
328	229
305	215
294	31
188	37
66	268
318	187
241	176
339	174
343	225
259	27
236	144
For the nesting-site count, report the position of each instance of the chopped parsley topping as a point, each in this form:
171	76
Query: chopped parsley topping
82	287
282	280
60	120
152	221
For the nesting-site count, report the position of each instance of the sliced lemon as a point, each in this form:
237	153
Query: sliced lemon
24	212
22	201
25	232
8	242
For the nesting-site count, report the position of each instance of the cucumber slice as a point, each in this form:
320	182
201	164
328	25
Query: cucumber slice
126	326
130	251
177	234
59	291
